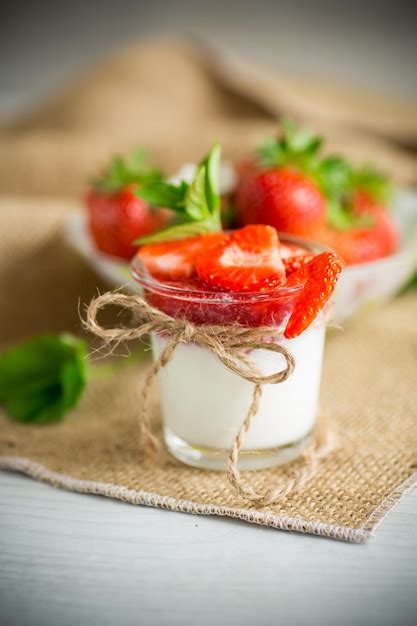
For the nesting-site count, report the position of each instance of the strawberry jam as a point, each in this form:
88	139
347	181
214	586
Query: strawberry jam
263	289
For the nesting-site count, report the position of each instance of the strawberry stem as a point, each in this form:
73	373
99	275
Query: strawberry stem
134	169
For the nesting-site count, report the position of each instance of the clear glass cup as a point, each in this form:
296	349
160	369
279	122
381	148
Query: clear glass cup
204	403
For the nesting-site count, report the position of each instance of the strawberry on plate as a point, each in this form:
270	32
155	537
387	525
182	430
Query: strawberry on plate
278	186
116	216
283	198
318	277
291	186
246	260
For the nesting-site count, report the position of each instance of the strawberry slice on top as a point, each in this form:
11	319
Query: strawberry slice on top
246	260
319	277
176	260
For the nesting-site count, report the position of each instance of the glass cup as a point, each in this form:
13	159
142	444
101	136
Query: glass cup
204	403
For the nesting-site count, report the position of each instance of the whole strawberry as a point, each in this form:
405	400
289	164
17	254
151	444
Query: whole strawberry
283	198
292	187
116	215
278	189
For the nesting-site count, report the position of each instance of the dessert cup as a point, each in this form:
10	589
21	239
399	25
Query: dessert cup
204	403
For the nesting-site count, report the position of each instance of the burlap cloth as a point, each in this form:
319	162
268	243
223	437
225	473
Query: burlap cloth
177	99
369	390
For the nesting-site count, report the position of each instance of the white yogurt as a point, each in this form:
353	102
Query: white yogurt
204	403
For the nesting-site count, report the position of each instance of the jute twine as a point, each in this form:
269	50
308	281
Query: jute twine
230	344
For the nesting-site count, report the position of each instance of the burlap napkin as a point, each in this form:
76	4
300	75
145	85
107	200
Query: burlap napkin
176	98
368	390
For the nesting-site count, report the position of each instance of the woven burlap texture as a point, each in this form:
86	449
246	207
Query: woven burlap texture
368	390
176	98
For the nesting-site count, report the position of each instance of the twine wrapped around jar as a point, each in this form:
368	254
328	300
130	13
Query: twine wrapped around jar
230	344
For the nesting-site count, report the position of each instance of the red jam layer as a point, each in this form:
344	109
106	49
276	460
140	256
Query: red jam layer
192	300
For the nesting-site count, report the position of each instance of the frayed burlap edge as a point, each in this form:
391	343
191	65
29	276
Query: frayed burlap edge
280	522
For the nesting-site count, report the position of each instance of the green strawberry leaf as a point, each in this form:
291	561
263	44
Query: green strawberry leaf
197	205
333	176
121	172
42	378
296	147
374	183
299	140
271	153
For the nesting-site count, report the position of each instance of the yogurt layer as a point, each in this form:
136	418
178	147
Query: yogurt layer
204	403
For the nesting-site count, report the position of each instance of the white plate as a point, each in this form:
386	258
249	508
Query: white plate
360	287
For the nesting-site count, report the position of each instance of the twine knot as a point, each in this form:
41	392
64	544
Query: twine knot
231	346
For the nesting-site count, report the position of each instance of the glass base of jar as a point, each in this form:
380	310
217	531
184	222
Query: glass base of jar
213	459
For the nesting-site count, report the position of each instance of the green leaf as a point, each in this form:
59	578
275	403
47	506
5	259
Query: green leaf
410	285
296	147
271	153
42	378
131	170
162	194
179	231
212	179
197	204
374	183
334	175
299	140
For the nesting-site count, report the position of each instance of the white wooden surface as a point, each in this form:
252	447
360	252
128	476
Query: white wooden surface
73	559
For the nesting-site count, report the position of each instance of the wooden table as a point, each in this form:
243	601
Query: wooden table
73	559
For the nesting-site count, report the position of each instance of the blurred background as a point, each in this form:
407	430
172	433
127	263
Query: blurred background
371	43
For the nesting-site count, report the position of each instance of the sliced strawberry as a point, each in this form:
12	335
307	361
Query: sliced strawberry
319	277
248	260
295	262
287	250
175	260
293	257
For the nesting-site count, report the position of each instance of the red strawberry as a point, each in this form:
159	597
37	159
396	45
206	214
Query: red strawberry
247	260
319	277
115	220
175	260
281	197
295	262
293	257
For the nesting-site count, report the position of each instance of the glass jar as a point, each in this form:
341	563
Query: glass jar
204	403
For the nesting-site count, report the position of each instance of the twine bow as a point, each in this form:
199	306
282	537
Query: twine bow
230	345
